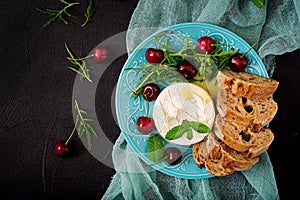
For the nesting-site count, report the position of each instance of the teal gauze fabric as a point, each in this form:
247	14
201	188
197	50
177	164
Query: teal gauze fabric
278	23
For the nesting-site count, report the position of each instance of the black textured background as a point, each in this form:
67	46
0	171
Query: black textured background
36	103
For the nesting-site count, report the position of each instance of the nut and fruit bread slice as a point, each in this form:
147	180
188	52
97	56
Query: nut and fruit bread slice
255	113
219	159
201	157
240	138
245	84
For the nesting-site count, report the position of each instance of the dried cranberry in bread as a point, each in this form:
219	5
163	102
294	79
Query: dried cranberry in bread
240	138
219	159
203	159
245	84
255	113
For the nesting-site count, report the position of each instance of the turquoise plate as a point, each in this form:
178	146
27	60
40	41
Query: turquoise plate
129	109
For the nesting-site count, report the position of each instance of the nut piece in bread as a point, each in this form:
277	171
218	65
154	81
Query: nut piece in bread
255	113
240	138
245	84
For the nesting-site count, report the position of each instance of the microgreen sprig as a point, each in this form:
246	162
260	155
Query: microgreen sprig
166	72
82	69
155	73
83	126
88	13
57	13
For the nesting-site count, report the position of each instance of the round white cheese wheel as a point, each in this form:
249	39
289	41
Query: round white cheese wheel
183	101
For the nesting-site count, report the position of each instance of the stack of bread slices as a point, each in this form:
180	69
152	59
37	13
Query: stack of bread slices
240	134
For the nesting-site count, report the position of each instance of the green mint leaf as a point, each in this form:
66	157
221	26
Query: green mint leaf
178	131
187	127
259	3
189	134
155	148
199	127
175	132
185	124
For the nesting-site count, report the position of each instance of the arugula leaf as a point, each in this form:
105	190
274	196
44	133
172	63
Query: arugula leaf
199	127
88	13
56	14
155	148
259	3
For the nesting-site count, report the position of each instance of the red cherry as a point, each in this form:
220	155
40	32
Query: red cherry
187	69
150	92
145	125
61	149
172	155
100	54
238	62
204	45
154	55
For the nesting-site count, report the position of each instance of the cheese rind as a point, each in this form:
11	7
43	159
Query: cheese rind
183	101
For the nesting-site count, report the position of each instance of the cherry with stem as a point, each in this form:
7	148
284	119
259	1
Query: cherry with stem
83	128
62	148
145	124
238	62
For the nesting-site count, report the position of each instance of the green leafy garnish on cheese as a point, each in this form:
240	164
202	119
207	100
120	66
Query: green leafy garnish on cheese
186	127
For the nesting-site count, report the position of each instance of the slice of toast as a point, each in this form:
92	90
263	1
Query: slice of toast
245	84
240	137
254	113
219	159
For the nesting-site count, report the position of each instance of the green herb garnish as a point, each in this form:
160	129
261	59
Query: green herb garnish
186	127
155	73
83	126
155	148
165	72
57	13
81	69
259	3
88	13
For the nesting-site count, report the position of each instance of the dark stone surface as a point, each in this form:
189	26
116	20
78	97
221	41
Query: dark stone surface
36	103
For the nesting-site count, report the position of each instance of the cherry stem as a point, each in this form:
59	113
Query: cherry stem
142	83
257	41
72	133
147	112
69	58
218	44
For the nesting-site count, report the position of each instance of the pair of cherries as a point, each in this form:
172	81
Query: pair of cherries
61	148
145	124
185	68
237	62
205	45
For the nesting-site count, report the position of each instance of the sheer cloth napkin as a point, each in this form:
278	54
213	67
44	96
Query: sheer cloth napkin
278	22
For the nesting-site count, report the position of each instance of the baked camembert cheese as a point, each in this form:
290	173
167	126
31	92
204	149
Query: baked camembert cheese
183	101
